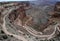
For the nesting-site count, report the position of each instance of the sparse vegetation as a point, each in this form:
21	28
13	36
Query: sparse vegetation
40	13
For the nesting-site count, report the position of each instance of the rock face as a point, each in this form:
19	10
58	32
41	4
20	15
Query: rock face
37	23
19	17
56	15
19	14
56	10
40	20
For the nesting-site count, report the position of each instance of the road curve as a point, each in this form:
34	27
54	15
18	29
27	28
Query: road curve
5	29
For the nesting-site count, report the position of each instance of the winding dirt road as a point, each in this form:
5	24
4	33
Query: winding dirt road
29	29
5	29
